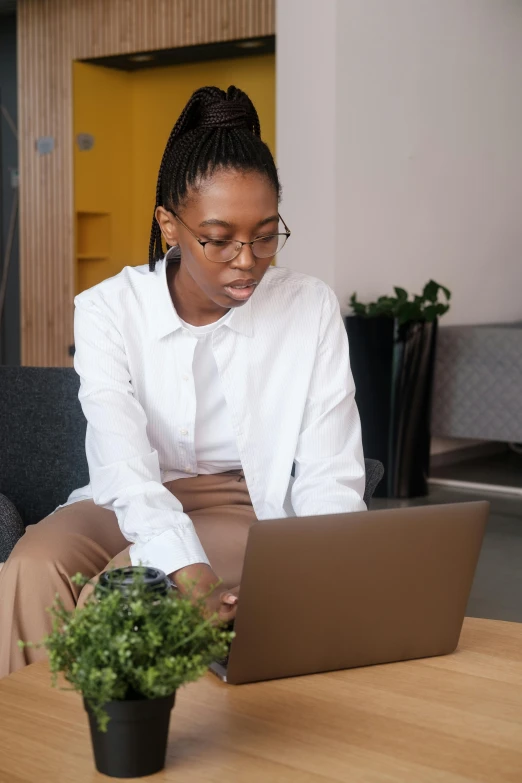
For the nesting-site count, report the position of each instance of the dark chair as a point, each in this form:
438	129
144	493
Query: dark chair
42	451
374	474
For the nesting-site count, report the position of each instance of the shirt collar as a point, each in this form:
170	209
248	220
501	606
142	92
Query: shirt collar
167	319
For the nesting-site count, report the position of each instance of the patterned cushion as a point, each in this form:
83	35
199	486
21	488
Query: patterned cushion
478	378
42	432
11	527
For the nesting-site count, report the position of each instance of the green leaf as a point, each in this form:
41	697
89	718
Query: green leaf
409	311
431	291
402	295
358	307
431	312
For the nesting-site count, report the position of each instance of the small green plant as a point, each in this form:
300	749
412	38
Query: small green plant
133	645
425	307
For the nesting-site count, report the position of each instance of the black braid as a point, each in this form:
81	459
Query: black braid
215	129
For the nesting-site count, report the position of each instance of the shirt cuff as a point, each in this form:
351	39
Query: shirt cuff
170	551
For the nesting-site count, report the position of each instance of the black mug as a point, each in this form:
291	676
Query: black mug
122	579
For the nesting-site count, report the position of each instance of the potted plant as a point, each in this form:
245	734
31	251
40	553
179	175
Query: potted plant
127	651
392	352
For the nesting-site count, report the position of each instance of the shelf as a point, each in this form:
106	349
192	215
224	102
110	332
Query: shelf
93	236
83	213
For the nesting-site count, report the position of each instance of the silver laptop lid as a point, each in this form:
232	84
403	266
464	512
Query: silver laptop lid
338	591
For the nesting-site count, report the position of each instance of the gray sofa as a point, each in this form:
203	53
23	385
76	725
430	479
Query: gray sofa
42	447
478	382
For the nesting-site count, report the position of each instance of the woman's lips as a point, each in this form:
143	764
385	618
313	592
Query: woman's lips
240	294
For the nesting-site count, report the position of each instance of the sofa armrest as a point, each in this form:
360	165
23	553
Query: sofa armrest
11	527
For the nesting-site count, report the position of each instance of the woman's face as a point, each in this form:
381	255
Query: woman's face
228	205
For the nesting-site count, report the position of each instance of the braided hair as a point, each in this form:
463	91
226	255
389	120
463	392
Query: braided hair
216	129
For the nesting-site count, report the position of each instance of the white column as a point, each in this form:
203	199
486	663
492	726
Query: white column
306	146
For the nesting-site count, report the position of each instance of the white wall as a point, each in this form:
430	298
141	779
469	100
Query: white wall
305	124
423	143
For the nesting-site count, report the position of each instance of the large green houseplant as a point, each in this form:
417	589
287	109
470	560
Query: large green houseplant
127	651
392	352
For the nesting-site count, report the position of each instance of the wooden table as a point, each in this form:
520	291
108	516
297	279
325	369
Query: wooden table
454	719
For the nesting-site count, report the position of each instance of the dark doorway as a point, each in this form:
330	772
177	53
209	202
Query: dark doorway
9	276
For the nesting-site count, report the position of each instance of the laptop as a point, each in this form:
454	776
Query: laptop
344	590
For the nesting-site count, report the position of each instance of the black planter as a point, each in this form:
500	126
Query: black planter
135	742
393	370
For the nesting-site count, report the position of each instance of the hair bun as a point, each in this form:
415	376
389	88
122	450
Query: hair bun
232	109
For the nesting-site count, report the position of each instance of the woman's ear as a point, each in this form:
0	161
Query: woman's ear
168	225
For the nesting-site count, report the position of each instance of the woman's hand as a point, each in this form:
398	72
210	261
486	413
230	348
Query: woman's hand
200	581
229	600
223	603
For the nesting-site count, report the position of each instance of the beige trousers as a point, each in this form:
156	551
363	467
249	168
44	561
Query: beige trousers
86	538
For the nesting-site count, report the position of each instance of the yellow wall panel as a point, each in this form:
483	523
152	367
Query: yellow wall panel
103	182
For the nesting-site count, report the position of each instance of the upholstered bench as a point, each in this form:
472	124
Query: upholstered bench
11	527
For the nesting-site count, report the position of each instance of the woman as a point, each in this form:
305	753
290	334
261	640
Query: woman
205	377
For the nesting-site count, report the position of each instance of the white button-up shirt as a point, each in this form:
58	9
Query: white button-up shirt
213	434
283	363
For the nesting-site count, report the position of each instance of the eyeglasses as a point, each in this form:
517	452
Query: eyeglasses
222	251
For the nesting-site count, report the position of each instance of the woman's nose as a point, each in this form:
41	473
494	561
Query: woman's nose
245	259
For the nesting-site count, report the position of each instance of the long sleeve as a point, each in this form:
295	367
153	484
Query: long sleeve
124	469
330	475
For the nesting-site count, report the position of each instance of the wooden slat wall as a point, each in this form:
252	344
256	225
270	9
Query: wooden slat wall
51	34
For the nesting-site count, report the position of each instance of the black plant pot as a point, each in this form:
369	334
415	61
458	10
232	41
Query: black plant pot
393	370
135	742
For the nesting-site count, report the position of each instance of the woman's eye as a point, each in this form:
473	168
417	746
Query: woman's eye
218	242
267	239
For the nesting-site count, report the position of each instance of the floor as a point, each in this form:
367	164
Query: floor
497	588
504	469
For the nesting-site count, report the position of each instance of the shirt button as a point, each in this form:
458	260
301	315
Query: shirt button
185	377
183	432
188	469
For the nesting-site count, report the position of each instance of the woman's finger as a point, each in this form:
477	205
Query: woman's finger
229	598
227	613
